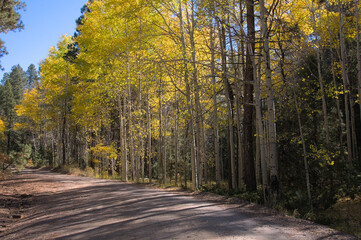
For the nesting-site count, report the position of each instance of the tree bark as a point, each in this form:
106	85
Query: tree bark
308	184
345	85
149	148
189	102
250	178
358	52
176	150
320	78
215	108
122	136
271	119
198	109
338	107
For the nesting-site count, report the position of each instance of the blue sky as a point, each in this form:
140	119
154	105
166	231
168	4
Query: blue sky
45	22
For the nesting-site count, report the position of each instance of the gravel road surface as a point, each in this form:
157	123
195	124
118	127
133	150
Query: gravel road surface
38	204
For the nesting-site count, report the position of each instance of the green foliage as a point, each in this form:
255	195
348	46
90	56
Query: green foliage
32	77
18	80
21	157
9	19
40	159
254	197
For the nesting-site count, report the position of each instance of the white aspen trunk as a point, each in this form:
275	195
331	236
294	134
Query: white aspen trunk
123	135
160	142
176	141
215	108
130	126
149	148
320	78
260	132
271	119
165	149
334	80
260	128
261	139
239	100
189	101
199	120
353	125
141	150
53	150
142	156
222	39
59	146
345	85
128	103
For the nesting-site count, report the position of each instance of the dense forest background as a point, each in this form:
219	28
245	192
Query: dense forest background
260	99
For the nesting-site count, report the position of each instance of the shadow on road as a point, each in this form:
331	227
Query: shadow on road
115	210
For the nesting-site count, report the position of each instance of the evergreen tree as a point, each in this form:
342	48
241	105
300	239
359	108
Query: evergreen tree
8	105
18	80
11	94
32	76
9	19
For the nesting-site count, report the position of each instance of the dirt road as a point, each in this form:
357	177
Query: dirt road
56	206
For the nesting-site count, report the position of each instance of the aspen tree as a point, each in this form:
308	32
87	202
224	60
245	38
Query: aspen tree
345	84
194	160
320	78
191	23
338	107
270	101
215	108
239	101
176	139
149	147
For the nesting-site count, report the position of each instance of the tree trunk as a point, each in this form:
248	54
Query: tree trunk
358	52
199	119
271	119
160	142
176	150
165	145
250	178
320	79
189	102
239	100
130	126
345	85
215	108
304	152
338	107
122	136
229	99
63	139
261	139
149	148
